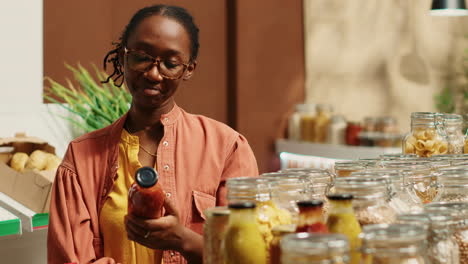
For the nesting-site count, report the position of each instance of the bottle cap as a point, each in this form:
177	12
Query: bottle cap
340	197
310	203
146	177
244	205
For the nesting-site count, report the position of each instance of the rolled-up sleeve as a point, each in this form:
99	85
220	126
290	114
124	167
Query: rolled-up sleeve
240	162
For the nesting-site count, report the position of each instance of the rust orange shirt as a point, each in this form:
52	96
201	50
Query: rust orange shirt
195	157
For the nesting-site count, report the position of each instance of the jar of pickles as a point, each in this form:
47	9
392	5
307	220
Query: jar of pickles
258	190
427	137
442	247
371	198
460	216
345	168
309	248
453	126
214	228
395	244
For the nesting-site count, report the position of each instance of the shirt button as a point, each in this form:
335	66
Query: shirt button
168	194
166	119
166	167
165	143
172	254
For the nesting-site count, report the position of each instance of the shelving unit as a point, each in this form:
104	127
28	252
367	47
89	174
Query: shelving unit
9	223
305	154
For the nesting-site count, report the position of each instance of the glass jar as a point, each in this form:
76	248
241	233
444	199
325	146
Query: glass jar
287	191
426	137
395	244
214	229
371	199
453	126
345	168
442	247
452	186
322	122
370	124
337	130
294	123
460	215
311	218
352	133
387	125
241	234
342	220
279	232
307	248
258	190
307	122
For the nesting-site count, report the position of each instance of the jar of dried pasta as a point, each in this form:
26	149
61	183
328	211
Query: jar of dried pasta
426	137
371	201
460	214
395	244
453	126
258	190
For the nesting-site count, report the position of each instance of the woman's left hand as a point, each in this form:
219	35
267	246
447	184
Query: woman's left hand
165	233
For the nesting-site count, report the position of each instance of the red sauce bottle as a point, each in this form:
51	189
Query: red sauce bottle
311	217
145	196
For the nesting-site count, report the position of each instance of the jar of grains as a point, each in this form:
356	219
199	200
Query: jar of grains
371	198
460	215
394	244
308	248
453	126
452	186
442	246
426	137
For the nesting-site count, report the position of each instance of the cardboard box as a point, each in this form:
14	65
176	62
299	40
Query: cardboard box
31	187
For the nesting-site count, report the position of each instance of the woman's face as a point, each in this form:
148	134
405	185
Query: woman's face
165	39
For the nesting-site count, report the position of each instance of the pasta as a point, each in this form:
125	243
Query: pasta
425	143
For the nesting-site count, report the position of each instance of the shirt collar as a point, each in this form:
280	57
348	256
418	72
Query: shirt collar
171	117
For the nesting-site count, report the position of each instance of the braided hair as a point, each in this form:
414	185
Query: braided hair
177	13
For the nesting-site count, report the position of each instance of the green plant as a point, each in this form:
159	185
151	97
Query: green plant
93	105
444	101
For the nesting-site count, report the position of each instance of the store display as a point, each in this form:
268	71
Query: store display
394	244
214	229
306	248
342	220
145	196
243	242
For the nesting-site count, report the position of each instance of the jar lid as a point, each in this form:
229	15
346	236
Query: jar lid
146	177
340	197
310	203
243	205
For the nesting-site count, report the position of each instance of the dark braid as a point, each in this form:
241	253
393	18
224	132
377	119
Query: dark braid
177	13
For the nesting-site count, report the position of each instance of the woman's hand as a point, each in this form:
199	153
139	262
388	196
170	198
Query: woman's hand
166	233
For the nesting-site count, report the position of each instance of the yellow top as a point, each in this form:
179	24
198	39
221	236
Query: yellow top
116	243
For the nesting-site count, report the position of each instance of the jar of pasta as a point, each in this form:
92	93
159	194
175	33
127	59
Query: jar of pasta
453	126
214	228
322	122
460	214
309	248
258	190
307	122
345	168
371	201
426	137
395	243
442	246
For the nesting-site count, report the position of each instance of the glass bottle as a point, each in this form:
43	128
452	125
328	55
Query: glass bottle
342	220
241	236
309	248
294	124
371	201
214	229
337	130
460	215
307	122
311	217
259	190
426	137
279	232
453	125
145	196
322	122
442	247
395	244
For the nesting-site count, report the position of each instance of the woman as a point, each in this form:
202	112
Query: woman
193	154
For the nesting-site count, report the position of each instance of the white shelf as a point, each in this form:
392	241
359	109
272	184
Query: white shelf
339	152
30	220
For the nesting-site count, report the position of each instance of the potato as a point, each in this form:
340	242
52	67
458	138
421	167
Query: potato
52	162
18	161
37	160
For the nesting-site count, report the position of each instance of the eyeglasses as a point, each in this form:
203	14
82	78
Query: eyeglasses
170	68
